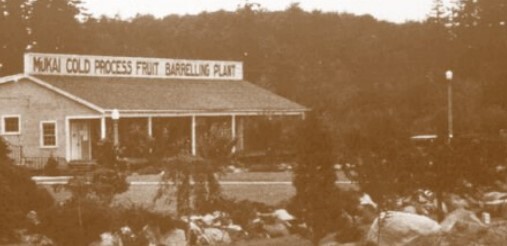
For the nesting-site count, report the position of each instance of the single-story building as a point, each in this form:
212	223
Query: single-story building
62	105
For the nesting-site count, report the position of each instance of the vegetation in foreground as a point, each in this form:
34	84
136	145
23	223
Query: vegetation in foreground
19	195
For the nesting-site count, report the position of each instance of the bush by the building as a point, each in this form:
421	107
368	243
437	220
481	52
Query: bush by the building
51	167
18	195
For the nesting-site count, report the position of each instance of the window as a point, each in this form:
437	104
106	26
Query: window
11	125
48	134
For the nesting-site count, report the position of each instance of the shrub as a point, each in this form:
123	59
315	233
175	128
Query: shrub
63	224
318	201
337	209
18	195
65	227
51	167
100	185
106	154
148	170
137	217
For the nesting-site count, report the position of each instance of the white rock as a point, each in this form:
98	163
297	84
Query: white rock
399	228
282	214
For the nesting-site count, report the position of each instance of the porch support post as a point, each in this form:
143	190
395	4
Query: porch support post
194	140
115	132
103	128
115	116
67	140
241	134
150	126
233	132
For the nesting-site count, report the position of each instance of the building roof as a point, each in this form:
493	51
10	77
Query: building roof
172	95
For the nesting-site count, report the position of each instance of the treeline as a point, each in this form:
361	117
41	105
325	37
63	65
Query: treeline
370	80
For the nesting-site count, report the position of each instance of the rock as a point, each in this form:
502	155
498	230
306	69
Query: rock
409	209
215	236
462	227
27	238
174	237
496	203
277	229
494	196
283	215
365	199
234	227
208	219
106	239
328	240
455	202
399	228
462	219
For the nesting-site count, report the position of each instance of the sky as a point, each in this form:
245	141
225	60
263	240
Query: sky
397	11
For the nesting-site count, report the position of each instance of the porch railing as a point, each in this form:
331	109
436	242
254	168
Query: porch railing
36	163
16	153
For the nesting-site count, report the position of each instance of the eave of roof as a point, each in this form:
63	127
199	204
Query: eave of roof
18	77
65	93
11	78
172	97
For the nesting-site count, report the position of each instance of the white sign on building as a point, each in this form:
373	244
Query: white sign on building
110	66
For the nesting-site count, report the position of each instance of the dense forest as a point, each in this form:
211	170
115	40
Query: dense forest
370	80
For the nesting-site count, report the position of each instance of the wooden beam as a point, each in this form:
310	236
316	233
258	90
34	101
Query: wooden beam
189	113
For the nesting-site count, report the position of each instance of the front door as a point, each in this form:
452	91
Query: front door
80	144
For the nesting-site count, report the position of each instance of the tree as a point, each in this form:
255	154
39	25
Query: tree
481	57
216	149
54	25
204	195
94	189
316	197
377	155
438	13
14	35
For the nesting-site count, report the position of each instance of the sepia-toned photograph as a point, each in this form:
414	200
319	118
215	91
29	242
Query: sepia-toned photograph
253	122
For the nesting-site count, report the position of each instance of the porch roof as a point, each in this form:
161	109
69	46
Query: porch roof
173	95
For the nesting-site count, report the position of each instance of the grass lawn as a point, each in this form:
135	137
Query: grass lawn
246	176
271	194
243	176
143	189
143	195
257	176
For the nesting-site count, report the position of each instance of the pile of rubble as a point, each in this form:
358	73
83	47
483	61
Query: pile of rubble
215	228
467	222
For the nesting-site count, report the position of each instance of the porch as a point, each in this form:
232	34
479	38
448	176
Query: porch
140	136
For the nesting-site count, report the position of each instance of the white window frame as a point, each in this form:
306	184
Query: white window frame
41	132
2	124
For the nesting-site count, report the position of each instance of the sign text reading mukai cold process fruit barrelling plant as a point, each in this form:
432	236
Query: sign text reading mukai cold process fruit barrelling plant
110	66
